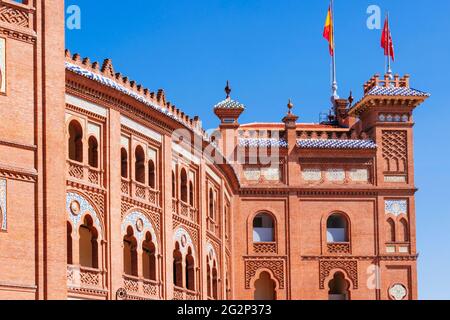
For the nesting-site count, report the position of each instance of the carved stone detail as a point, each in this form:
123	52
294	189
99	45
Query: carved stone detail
276	266
350	267
14	16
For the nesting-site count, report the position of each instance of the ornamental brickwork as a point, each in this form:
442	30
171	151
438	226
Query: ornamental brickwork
130	198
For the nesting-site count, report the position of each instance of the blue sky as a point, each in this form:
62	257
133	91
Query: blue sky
274	50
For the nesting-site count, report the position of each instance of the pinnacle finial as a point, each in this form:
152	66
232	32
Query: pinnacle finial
290	106
228	89
350	98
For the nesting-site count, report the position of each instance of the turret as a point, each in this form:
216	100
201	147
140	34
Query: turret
386	115
228	111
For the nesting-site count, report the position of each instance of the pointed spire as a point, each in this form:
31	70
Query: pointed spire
228	89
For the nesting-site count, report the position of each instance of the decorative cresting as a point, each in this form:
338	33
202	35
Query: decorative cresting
350	268
184	239
77	207
141	225
396	207
275	266
398	292
3	202
14	15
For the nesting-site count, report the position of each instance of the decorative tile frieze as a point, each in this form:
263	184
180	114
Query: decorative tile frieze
252	174
396	207
395	179
271	174
336	175
359	175
312	174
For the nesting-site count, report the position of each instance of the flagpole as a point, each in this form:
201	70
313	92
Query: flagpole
388	39
334	85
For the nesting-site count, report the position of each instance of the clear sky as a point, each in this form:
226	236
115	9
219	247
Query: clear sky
272	50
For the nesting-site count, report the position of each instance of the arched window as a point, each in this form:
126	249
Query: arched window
265	288
263	228
337	229
177	266
139	168
184	186
208	279
211	204
404	231
130	253
338	287
174	186
151	174
190	271
191	194
93	152
69	244
124	163
88	244
149	258
215	282
75	141
390	232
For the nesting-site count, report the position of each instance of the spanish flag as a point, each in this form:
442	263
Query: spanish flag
328	32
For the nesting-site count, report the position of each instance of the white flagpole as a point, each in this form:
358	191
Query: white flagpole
388	40
334	85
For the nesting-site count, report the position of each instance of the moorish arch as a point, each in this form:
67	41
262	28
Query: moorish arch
78	207
85	232
212	271
265	285
184	239
184	260
140	224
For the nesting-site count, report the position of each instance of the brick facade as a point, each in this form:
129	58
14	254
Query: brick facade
108	191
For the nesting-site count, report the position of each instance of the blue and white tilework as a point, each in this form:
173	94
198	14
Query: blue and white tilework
184	239
396	207
75	200
141	225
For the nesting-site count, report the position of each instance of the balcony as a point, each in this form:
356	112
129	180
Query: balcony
140	191
212	226
85	278
184	210
82	172
339	248
265	248
139	288
184	294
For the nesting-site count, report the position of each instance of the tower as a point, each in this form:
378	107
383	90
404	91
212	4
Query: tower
31	167
228	111
386	115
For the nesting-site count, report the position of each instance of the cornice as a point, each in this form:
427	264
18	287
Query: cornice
16	173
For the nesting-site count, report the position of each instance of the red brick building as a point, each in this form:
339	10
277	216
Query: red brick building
108	191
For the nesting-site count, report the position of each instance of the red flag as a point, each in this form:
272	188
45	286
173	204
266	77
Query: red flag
386	40
328	31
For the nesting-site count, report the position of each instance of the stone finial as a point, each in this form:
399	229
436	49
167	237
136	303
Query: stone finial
290	105
350	98
228	89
